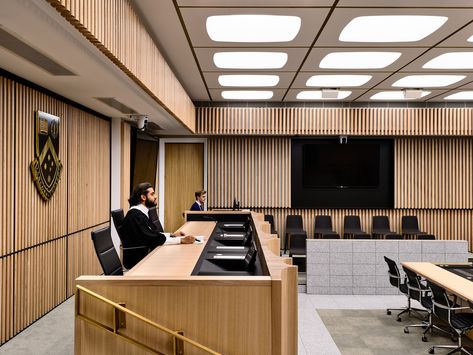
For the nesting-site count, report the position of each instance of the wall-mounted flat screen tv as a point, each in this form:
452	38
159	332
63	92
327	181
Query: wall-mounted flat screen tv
357	173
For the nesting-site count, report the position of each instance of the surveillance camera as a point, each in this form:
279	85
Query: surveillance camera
343	140
142	123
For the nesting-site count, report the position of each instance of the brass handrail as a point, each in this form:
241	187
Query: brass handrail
116	323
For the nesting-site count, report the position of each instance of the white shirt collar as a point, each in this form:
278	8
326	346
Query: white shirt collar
142	208
198	202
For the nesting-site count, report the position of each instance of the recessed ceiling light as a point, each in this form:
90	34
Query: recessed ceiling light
253	28
248	80
451	60
394	95
427	81
462	95
317	95
250	60
336	81
358	60
247	95
391	28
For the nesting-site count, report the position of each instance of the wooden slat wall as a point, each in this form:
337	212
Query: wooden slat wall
125	166
434	173
37	237
448	224
115	29
89	197
335	121
256	171
6	165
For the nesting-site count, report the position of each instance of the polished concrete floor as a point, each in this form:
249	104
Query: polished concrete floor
327	325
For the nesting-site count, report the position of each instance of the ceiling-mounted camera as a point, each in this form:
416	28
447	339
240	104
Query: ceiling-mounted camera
142	123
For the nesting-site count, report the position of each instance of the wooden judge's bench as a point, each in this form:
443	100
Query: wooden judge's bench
246	306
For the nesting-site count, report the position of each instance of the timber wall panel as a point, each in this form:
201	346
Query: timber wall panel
40	274
37	220
125	165
7	140
6	298
115	29
89	152
334	121
81	259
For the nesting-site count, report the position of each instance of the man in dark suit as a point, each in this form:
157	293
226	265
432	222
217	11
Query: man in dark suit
200	197
138	230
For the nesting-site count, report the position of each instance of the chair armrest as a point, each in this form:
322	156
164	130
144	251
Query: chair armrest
133	248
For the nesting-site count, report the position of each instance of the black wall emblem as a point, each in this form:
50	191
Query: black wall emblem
46	167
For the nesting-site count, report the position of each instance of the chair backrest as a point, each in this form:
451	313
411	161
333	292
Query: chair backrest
440	297
380	224
298	243
425	237
106	252
153	216
393	236
352	223
330	236
269	218
409	224
394	274
118	216
413	284
294	222
323	223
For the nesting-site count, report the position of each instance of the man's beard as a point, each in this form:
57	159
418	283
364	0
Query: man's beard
149	203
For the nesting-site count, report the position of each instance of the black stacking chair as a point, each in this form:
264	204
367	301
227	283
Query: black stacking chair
380	227
410	226
393	236
421	293
445	309
106	252
294	224
297	245
269	218
396	281
153	216
118	216
352	228
425	237
323	226
331	236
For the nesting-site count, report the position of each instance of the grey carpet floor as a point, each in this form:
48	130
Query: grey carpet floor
366	332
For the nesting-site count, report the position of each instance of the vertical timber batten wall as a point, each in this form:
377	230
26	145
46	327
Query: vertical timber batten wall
433	172
44	246
115	29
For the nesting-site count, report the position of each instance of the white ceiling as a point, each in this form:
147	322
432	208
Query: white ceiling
178	28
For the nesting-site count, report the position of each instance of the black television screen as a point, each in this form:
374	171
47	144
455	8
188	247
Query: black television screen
340	165
355	174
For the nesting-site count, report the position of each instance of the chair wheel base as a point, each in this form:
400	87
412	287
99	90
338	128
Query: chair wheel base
424	339
406	330
432	351
388	313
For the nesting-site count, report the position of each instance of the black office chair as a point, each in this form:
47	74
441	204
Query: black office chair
352	228
396	281
410	226
153	216
323	226
425	237
131	255
445	309
294	224
269	218
118	216
106	252
380	227
422	294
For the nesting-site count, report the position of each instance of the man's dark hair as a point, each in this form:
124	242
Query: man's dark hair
199	193
139	190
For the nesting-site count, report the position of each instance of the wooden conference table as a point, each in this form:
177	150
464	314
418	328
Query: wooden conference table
228	314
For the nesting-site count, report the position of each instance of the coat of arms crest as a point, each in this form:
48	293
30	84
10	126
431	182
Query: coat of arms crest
46	167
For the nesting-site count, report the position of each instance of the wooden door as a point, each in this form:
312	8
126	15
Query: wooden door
183	176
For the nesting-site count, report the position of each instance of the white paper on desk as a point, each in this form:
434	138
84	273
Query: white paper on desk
199	239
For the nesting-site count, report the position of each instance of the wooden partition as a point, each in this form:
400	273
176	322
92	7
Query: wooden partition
433	174
40	242
115	29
